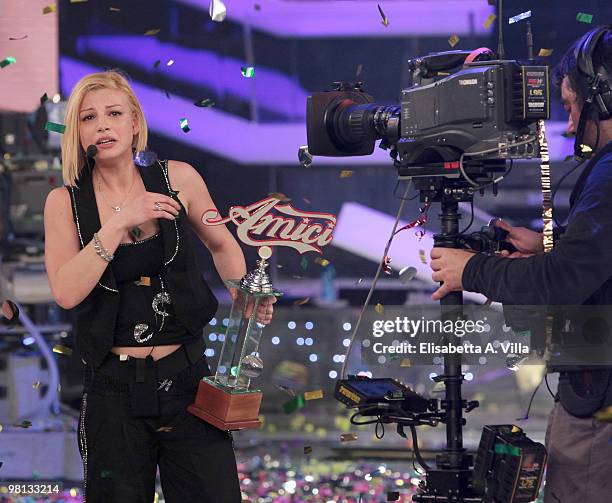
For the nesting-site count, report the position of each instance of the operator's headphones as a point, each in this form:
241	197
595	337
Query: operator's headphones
598	100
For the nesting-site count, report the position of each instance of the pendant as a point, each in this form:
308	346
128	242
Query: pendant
117	208
140	329
161	298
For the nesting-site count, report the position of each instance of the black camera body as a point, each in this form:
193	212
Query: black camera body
487	108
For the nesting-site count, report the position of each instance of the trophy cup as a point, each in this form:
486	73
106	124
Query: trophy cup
226	400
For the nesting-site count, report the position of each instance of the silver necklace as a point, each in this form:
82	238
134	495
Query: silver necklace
116	208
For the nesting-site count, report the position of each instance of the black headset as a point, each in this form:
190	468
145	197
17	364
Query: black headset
598	101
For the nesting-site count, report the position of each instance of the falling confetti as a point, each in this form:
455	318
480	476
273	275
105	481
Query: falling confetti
9	60
323	262
280	196
583	17
307	449
78	1
170	62
57	128
379	309
405	362
519	17
301	302
18	38
217	11
346	173
569	158
144	281
489	21
294	404
36	385
545	52
152	32
385	20
604	415
359	281
24	424
164	429
50	8
348	437
304	156
44	98
184	125
313	395
248	71
156	64
304	263
585	149
359	68
453	40
114	9
62	350
423	256
306	200
204	103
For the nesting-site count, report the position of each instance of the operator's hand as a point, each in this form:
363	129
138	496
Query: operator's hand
448	265
526	241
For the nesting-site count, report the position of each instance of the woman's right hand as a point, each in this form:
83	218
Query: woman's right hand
143	208
526	241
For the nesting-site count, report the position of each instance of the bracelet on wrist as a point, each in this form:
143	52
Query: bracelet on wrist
100	250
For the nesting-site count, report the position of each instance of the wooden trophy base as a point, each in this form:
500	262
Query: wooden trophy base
225	410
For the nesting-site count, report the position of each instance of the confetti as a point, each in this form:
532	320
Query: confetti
44	98
346	173
489	21
78	1
583	17
604	415
170	62
57	128
106	474
304	263
359	281
519	17
569	158
24	424
50	8
307	449
453	40
385	20
323	262
36	385
164	428
167	94
585	149
18	38
545	52
286	389
359	68
217	11
296	403
307	201
280	196
184	125
144	281
152	32
248	71
304	156
313	395
62	350
423	256
114	9
406	362
9	60
301	302
407	274
204	103
379	309
157	63
348	437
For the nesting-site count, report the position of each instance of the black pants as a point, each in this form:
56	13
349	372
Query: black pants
121	453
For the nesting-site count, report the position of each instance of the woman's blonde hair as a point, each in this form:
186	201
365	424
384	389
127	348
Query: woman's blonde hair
73	155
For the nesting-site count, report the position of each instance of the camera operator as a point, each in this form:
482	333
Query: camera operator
578	271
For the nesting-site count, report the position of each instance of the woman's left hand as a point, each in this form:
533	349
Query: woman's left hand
265	309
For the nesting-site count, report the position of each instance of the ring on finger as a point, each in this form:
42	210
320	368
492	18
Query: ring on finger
157	206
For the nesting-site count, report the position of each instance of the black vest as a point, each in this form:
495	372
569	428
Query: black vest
193	302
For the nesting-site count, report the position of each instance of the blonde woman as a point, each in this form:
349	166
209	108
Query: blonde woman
117	249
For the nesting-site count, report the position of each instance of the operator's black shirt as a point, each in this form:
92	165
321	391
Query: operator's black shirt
578	271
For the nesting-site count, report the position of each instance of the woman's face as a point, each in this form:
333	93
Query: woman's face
106	121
